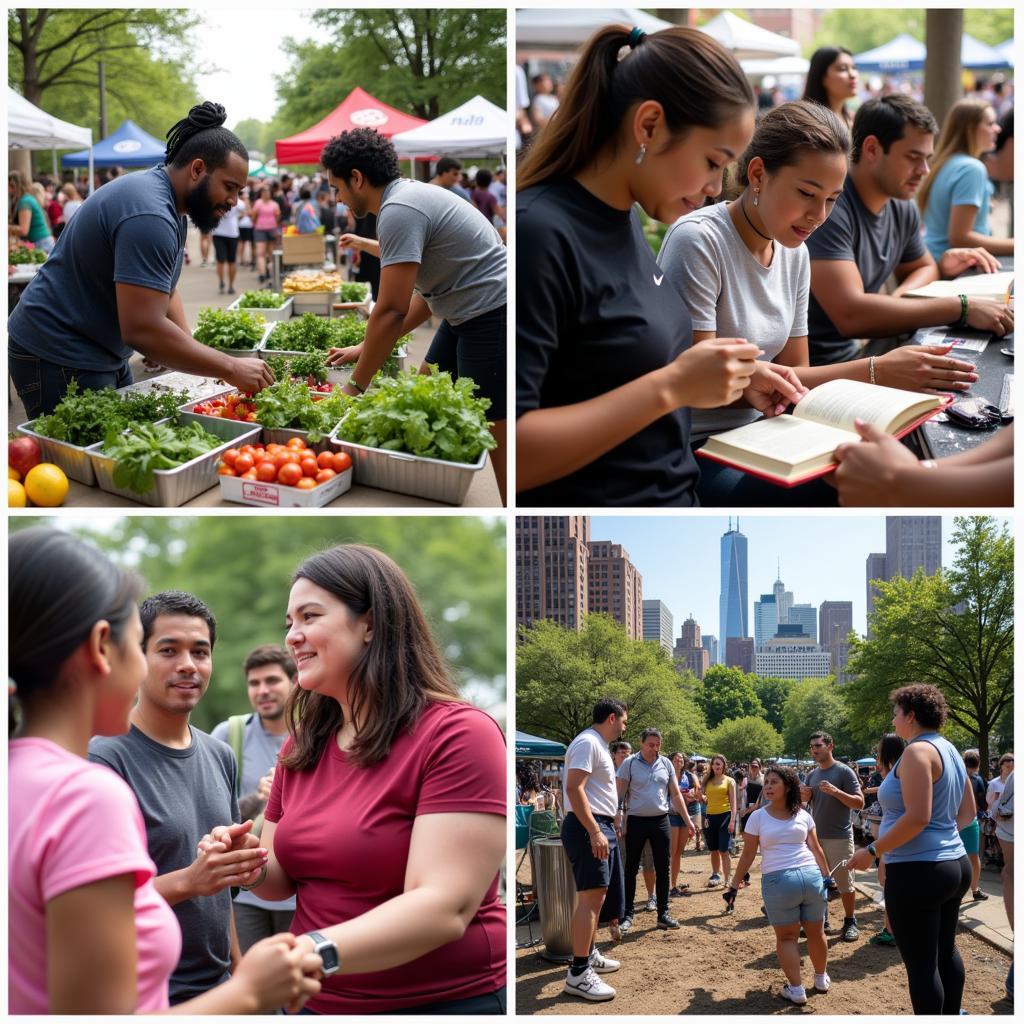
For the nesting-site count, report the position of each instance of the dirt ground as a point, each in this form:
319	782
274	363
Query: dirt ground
718	964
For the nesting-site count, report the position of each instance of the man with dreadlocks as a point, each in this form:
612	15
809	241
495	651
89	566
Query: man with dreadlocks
109	286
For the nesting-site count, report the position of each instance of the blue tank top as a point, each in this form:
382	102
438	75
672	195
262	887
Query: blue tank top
939	839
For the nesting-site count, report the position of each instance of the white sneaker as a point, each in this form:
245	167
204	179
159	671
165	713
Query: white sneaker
823	983
615	931
791	995
603	964
651	904
714	880
588	986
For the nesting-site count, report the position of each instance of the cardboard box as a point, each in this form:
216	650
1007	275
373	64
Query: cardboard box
252	492
303	249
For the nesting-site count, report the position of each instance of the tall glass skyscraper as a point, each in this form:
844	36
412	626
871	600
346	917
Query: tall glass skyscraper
732	601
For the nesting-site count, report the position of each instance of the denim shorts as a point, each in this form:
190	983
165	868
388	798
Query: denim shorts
793	895
675	820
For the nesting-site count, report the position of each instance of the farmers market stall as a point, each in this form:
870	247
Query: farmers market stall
129	146
28	127
476	128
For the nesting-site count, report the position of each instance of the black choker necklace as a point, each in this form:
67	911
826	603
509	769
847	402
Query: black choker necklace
743	210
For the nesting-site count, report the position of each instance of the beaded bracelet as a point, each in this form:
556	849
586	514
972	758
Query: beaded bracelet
871	369
963	310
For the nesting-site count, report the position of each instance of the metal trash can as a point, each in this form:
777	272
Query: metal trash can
556	897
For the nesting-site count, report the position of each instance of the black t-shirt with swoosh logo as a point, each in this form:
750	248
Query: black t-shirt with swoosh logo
593	312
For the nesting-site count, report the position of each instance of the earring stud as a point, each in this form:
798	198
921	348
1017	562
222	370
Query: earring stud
641	154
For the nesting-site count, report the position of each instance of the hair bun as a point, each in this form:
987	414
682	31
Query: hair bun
208	115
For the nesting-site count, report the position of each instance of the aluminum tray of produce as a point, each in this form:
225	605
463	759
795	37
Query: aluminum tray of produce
248	353
433	479
71	458
313	302
174	487
283	312
198	389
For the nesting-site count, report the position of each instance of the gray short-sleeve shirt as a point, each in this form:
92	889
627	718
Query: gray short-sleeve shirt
648	787
182	795
463	264
832	818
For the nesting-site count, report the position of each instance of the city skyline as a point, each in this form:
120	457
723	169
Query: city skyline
818	558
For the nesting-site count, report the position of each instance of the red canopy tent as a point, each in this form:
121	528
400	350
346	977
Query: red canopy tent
359	110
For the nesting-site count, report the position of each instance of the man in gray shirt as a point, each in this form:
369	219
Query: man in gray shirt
269	678
647	783
833	791
184	781
439	256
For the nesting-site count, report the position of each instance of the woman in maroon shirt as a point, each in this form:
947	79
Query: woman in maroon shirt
386	817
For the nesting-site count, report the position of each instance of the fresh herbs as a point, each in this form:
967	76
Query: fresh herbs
424	414
288	405
262	300
146	447
306	333
354	291
229	330
83	417
310	366
22	254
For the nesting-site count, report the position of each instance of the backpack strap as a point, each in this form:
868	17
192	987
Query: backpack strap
236	741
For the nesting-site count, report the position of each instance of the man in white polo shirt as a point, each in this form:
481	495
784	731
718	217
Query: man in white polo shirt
588	836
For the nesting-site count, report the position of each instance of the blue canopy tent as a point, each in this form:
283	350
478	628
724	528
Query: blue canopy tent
866	762
534	746
905	53
129	146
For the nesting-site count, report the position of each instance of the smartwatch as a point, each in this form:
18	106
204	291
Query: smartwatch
327	951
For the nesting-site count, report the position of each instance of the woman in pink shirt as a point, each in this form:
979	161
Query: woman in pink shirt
387	813
89	933
265	217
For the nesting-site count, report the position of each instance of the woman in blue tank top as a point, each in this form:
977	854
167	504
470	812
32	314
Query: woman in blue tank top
925	801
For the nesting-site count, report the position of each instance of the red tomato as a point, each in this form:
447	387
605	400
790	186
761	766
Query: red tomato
307	483
342	461
233	399
250	475
223	470
243	464
324	475
289	474
295	443
250	417
325	460
309	467
266	471
229	456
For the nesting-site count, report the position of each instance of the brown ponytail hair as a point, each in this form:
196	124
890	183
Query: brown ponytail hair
695	79
789	130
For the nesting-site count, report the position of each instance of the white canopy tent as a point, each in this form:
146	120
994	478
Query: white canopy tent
748	41
1005	49
477	128
28	127
558	28
777	67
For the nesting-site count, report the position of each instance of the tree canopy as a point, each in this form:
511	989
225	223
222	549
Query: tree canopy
812	705
727	692
741	739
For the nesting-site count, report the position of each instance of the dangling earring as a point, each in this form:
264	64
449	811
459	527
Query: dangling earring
756	190
641	154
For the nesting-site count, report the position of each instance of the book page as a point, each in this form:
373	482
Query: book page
839	402
781	439
982	286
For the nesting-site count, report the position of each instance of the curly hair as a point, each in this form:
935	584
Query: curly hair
927	703
788	778
364	150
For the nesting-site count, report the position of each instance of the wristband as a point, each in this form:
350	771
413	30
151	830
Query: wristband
872	850
359	387
259	881
871	369
964	308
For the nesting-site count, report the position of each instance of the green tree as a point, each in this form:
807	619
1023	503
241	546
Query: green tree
242	567
815	704
422	60
561	674
773	693
953	629
727	692
54	55
741	739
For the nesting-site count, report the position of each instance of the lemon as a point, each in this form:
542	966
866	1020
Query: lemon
46	485
12	473
15	494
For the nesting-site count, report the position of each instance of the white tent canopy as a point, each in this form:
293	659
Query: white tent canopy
748	41
477	128
1005	49
541	26
779	66
28	127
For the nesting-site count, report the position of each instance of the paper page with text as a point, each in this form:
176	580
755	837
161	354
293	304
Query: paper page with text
840	402
982	286
788	439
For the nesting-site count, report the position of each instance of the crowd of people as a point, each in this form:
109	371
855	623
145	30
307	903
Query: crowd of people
925	805
772	278
155	867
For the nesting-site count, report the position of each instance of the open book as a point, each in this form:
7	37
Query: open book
797	447
979	286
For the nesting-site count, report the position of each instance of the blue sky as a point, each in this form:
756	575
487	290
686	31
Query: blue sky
822	558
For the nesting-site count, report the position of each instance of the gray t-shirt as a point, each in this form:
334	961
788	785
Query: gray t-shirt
876	243
259	754
463	265
832	818
646	796
727	291
127	232
182	795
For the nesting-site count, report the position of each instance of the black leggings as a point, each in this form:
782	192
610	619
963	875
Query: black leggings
923	901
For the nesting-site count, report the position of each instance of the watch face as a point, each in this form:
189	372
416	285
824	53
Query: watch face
329	954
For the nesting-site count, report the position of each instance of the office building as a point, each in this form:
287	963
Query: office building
912	543
805	615
766	619
615	587
551	569
739	653
710	644
658	624
791	657
732	601
875	570
835	623
783	597
689	653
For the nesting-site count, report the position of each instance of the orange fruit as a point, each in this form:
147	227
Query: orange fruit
46	485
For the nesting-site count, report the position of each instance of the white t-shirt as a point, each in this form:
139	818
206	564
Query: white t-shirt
995	786
783	843
589	752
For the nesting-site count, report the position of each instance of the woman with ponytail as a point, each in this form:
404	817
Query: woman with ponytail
109	286
606	374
